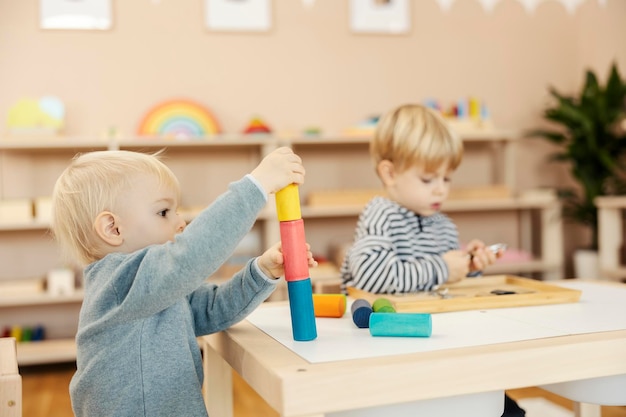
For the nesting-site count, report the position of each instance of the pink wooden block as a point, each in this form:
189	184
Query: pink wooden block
294	250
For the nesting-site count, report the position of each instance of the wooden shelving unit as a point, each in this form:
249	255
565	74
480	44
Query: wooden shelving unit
205	166
611	236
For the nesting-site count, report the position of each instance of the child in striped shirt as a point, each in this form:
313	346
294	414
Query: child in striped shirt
403	242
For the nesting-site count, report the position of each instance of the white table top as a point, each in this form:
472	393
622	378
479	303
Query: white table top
601	308
470	352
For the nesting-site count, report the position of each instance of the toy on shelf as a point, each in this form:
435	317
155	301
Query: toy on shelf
296	264
312	131
257	125
16	211
24	333
60	281
363	128
45	115
20	287
466	115
179	119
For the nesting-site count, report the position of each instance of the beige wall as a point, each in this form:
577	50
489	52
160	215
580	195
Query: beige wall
310	69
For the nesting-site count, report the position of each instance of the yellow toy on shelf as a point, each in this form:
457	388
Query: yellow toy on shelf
36	115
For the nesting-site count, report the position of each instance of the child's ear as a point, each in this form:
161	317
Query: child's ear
386	172
107	228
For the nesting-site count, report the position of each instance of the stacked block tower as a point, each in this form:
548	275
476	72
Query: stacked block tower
296	264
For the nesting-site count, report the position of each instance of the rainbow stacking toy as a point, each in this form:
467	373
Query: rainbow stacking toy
296	264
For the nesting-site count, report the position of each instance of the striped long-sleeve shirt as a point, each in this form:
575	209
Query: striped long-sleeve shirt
396	250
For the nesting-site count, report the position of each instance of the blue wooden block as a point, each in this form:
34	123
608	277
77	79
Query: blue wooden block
401	324
361	310
302	313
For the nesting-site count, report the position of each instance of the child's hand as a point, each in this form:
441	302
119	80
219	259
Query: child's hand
458	266
480	255
272	261
279	169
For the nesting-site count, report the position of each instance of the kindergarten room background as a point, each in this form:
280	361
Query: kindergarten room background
311	69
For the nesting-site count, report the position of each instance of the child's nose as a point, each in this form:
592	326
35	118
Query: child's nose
181	225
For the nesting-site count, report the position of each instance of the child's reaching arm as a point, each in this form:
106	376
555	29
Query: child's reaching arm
480	256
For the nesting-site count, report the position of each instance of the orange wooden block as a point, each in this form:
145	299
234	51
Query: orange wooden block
329	305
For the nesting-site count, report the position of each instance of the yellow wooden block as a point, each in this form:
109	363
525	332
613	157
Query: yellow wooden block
288	204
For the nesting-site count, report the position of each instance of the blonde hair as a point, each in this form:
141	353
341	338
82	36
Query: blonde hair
90	185
414	135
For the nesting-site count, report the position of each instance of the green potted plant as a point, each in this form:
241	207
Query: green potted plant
590	134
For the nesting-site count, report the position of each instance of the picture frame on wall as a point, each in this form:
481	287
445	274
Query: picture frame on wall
380	16
75	14
238	15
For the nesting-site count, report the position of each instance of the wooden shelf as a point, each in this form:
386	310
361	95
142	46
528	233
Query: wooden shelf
204	142
309	212
204	165
449	206
614	274
495	204
610	235
16	227
46	351
325	140
42	143
40	299
536	265
500	268
495	135
37	144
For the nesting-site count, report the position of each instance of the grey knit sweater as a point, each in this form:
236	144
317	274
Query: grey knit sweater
137	348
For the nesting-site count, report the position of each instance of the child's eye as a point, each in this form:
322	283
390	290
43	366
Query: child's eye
163	213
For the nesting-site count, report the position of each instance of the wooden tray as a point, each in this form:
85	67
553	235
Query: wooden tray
477	294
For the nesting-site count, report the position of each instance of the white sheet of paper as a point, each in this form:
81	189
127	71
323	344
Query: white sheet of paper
601	308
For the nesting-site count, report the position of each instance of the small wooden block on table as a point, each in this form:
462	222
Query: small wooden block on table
476	294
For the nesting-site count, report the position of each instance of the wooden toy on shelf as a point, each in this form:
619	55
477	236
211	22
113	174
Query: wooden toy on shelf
40	116
179	119
257	125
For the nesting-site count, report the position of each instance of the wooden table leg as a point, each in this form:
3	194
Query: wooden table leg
218	384
587	410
